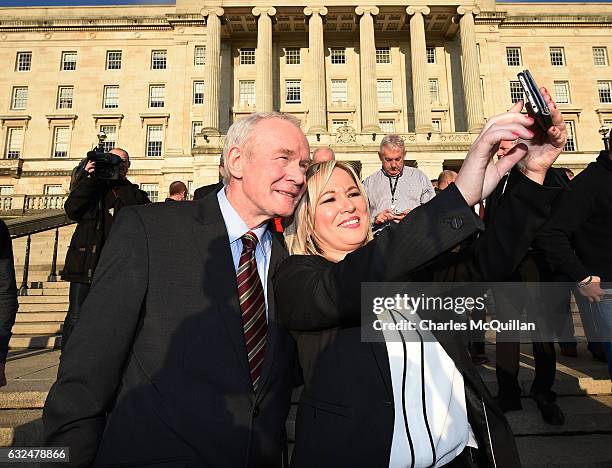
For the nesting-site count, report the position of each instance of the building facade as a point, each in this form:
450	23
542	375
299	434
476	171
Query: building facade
166	82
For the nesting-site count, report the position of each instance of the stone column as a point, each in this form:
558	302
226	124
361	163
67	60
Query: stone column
317	107
212	70
418	56
263	59
367	62
470	69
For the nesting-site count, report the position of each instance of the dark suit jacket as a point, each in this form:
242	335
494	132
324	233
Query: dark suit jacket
205	190
346	412
156	372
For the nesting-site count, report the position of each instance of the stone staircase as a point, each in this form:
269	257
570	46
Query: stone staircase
41	315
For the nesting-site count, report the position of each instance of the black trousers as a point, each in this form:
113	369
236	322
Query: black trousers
77	295
511	300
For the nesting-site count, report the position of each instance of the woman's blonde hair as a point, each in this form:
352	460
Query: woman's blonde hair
300	233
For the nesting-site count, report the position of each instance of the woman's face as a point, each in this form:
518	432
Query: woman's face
341	217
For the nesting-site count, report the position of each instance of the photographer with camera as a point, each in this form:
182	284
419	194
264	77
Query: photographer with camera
98	191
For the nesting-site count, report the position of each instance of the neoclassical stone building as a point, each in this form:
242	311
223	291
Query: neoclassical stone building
166	82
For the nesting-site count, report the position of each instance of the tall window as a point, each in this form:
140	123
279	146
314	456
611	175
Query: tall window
383	55
337	123
557	56
61	142
24	61
604	89
198	92
14	143
155	139
431	54
111	137
113	59
247	92
247	56
338	55
293	91
20	98
437	125
159	59
69	60
157	95
339	91
570	144
387	125
64	97
600	56
513	56
434	91
152	191
111	97
196	127
384	91
562	94
199	55
516	91
292	56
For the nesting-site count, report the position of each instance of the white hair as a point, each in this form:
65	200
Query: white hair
240	131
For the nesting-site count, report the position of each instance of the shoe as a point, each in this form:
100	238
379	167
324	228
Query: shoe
479	359
551	413
508	404
570	351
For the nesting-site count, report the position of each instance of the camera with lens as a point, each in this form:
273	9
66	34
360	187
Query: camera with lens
107	164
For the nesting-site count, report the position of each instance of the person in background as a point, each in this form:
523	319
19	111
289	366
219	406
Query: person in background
395	189
445	178
8	297
322	154
177	191
93	203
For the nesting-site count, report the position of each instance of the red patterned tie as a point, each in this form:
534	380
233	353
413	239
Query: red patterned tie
253	306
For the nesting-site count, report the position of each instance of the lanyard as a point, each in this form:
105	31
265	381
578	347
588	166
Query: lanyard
393	188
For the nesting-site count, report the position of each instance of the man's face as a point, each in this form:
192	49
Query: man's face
504	147
392	159
125	165
274	169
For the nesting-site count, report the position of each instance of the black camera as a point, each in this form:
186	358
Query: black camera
107	164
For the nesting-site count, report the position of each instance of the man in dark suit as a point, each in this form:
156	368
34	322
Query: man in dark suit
8	296
171	366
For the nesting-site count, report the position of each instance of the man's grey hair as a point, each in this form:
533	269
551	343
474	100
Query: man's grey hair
240	131
392	141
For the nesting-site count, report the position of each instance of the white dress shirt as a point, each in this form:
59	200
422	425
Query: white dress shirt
236	228
444	400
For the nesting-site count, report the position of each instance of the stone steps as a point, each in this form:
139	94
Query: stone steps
37	328
35	341
28	317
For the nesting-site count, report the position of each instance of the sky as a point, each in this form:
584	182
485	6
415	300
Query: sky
149	2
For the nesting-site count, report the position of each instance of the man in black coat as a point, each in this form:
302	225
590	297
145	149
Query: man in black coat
8	296
157	372
93	203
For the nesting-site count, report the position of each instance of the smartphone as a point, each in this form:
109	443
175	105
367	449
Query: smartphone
536	105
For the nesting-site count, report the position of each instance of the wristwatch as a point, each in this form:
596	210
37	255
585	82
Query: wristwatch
585	283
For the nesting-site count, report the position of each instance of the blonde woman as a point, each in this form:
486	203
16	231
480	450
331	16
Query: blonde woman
357	408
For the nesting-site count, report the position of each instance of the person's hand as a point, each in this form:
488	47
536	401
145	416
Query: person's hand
2	375
383	217
544	148
592	291
90	166
479	174
399	216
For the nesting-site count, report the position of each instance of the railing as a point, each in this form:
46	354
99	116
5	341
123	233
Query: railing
34	225
20	204
44	202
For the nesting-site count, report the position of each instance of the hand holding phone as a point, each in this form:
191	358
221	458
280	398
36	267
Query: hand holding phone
536	105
